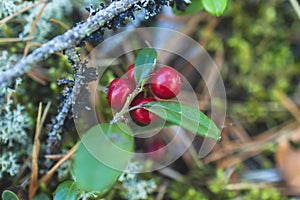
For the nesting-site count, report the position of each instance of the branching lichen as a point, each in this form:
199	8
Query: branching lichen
135	187
6	61
8	164
14	123
9	7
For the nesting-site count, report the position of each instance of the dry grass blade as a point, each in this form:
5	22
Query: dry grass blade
211	80
24	167
289	105
39	74
183	141
55	157
34	183
36	148
239	132
35	152
19	12
254	146
173	174
162	191
33	28
246	186
46	178
175	43
209	31
59	23
4	40
296	6
35	76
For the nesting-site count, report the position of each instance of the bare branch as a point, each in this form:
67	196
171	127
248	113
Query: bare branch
72	37
54	138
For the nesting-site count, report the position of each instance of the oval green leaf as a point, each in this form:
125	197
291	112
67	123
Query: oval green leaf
9	195
144	63
215	7
102	156
67	190
185	116
194	7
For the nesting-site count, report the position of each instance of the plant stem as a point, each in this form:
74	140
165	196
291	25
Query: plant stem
125	109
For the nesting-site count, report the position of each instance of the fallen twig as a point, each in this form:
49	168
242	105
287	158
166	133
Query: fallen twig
74	36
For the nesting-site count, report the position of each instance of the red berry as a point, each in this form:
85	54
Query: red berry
118	91
166	83
130	73
156	150
112	84
140	115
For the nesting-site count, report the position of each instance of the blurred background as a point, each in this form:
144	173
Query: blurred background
255	45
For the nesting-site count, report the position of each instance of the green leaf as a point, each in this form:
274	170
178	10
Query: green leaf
9	195
215	7
151	128
144	63
185	116
67	190
102	156
194	7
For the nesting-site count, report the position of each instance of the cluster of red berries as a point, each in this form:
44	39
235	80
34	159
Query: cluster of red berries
164	84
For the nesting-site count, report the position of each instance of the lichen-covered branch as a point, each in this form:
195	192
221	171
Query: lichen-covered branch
75	35
82	76
63	111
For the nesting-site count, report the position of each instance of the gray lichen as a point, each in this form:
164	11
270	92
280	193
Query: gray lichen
135	187
9	7
14	123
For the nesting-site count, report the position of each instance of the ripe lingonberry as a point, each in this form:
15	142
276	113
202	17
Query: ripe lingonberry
166	83
130	73
156	150
140	115
117	92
